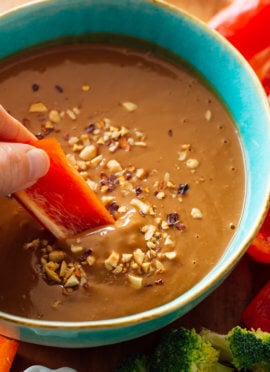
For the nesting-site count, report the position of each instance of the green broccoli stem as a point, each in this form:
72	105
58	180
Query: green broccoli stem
246	350
219	342
222	368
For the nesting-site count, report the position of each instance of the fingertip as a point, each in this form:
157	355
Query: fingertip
39	164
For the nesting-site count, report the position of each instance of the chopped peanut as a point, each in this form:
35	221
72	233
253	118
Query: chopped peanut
192	163
112	261
76	248
139	255
38	107
54	116
141	206
88	153
170	255
114	166
85	88
196	213
56	256
135	281
208	115
130	106
72	281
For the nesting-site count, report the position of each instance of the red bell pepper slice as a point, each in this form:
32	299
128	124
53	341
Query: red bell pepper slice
245	23
260	247
256	314
259	250
260	63
61	200
8	350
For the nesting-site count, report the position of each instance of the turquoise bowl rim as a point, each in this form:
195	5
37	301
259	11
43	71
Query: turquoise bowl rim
223	67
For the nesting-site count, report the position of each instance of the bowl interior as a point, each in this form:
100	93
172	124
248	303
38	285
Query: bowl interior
221	66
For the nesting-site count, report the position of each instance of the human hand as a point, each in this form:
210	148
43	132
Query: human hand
20	164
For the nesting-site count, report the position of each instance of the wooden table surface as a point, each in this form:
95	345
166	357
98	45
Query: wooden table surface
204	9
220	311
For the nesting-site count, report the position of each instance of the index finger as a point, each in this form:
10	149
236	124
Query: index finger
12	130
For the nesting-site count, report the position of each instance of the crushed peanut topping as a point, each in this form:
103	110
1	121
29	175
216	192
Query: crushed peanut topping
196	213
192	163
38	107
129	106
54	116
55	267
85	88
94	154
208	115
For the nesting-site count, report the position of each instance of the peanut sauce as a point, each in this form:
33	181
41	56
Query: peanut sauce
161	151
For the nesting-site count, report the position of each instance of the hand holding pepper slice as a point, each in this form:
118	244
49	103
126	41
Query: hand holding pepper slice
61	200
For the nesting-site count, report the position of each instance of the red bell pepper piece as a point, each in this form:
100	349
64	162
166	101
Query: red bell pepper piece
61	200
260	62
8	350
257	313
259	250
245	23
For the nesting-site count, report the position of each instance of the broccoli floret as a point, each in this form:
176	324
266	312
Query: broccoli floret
244	349
137	362
184	350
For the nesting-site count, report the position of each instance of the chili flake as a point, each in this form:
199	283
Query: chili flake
90	128
35	87
182	188
173	219
59	88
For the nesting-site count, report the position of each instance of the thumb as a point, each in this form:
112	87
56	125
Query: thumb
20	166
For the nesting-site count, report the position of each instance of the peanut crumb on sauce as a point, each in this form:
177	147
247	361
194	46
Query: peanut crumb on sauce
96	150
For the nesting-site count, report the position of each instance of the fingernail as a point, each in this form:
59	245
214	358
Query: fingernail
38	164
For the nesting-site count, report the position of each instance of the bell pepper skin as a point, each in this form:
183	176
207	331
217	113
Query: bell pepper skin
245	23
259	250
256	314
61	200
8	350
260	63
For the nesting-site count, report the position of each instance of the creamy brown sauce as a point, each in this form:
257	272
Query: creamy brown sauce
173	109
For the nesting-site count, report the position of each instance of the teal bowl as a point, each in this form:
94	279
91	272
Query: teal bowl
223	67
